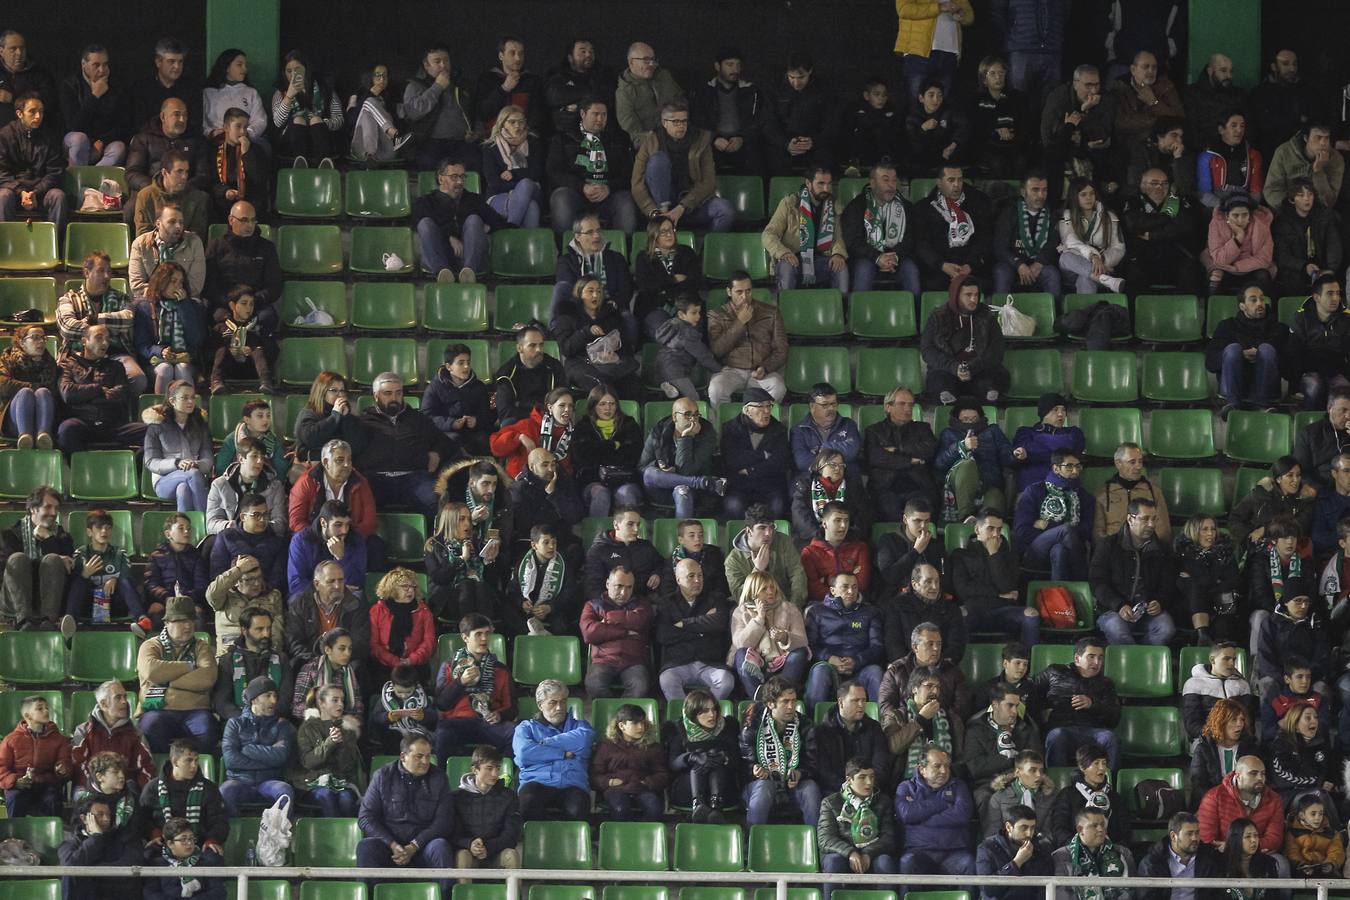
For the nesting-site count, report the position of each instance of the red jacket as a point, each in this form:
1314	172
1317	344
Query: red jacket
454	703
417	647
93	737
304	492
506	446
605	628
22	748
1222	805
821	562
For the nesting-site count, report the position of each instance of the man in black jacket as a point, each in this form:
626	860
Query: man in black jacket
525	377
1132	578
879	232
543	494
1076	703
94	395
1182	847
97	112
508	83
486	828
98	841
954	232
927	653
19	75
693	625
898	453
167	82
732	110
986	577
898	552
453	225
801	120
1026	241
1162	235
170	130
39	556
621	546
243	256
590	169
251	655
1247	352
962	347
403	451
1320	351
577	78
847	732
456	401
1319	444
1016	851
31	166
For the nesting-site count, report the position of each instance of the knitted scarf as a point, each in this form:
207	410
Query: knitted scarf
30	541
551	440
513	157
1094	798
960	226
192	810
154	693
1033	230
883	223
678	153
473	568
223	168
812	234
480	528
1003	737
389	701
942	737
775	752
591	157
239	676
1276	574
696	733
481	693
400	624
592	263
949	510
820	495
552	574
1061	505
175	862
858	818
169	324
1105	863
344	677
165	251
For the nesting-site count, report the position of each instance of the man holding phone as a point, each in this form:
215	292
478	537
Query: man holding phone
1133	580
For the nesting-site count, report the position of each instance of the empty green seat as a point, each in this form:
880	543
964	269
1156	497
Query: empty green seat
1175	377
929	303
556	845
523	253
42	833
1149	732
374	249
727	252
303	358
518	304
404	533
920	188
325	842
1288	307
18	293
603	710
103	475
33	888
384	306
23	470
11	707
1245	479
1259	437
309	193
1082	602
1104	376
1167	319
848	189
883	369
310	249
882	315
633	846
371	356
455	308
333	890
863	894
1219	307
782	848
561	892
113	238
809	365
96	656
781	186
378	194
1140	670
28	247
1181	433
243	835
1033	372
1192	491
1014	417
812	312
1043	655
297	297
261	889
32	657
478	891
982	662
745	193
535	657
635	892
1106	428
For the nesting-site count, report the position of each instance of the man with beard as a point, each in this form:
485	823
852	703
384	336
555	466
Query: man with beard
962	347
94	394
169	239
731	109
1132	581
1281	104
1248	352
171	185
526	377
39	557
879	230
403	451
577	78
1211	94
509	84
805	236
250	655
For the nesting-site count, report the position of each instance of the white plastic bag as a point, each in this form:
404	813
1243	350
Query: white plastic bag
315	317
274	833
1013	322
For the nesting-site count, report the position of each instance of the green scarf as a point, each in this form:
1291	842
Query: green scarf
813	235
472	570
559	444
1031	244
344	678
166	252
949	511
390	702
942	737
819	496
480	529
554	572
30	541
775	752
193	810
1105	863
239	675
883	223
175	862
1170	206
153	698
480	694
591	157
1277	576
171	332
1061	504
696	733
858	818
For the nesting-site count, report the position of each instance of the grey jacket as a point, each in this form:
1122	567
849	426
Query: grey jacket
682	351
222	501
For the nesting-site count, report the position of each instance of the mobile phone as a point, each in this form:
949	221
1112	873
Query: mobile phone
1140	608
494	534
298	76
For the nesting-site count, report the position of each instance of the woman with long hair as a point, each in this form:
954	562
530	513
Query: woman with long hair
1242	858
593	341
663	268
1208	579
169	327
178	450
1282	492
1302	757
513	168
375	134
628	768
608	445
328	414
703	754
1091	241
455	566
768	635
1226	738
228	87
29	386
305	113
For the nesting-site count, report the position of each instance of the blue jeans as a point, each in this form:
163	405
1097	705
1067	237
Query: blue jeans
793	671
915	70
30	412
1005	280
80	151
417	489
463	731
761	795
74	435
236	791
789	277
437	254
50	206
342	804
1156	630
716	214
1035	74
864	274
882	864
188	488
1315	387
646	806
1062	549
682	488
1061	744
159	727
1257	380
125	601
520	205
822	680
600	500
717	680
616	210
1011	620
167	373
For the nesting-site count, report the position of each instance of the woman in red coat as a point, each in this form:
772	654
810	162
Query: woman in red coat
402	628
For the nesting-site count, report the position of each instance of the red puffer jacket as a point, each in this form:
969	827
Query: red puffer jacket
1222	805
605	627
23	749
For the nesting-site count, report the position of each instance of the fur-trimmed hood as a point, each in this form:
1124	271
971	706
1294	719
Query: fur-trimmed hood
457	474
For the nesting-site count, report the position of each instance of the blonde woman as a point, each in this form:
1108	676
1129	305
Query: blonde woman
768	635
513	168
455	565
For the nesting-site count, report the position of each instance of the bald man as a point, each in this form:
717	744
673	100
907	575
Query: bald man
677	460
693	621
1212	93
169	130
543	494
1244	794
242	256
644	87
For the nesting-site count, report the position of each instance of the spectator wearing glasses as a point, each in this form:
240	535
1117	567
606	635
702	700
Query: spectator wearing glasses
1162	234
1132	580
673	174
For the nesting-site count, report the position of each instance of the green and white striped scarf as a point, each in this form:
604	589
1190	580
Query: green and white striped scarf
942	738
193	810
775	752
154	693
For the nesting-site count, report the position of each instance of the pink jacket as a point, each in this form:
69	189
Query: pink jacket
1257	250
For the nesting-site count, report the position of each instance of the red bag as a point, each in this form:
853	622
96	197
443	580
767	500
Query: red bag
1056	606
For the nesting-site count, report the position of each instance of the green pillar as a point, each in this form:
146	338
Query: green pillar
253	26
1232	27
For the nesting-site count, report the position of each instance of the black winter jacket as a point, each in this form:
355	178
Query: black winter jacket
590	450
106	118
836	745
443	403
450	214
1248	334
1320	346
855	234
1007	247
979	578
400	443
931	245
30	160
901	614
564	171
1052	691
913	440
766	467
1070	800
1122	573
232	260
1291	234
1315	447
948	333
705	633
811	112
1157	863
494	817
1205	771
892	564
995	855
640	557
749	104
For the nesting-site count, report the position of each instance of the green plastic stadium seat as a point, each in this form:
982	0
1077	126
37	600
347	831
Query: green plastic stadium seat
1014	417
521	303
726	252
812	312
303	358
637	243
556	845
864	894
243	833
982	662
1040	307
782	848
1167	319
1305	417
372	244
333	890
1288	307
782	185
28	247
1104	376
1175	377
103	475
808	365
32	657
42	833
261	889
561	892
614	237
384	306
325	842
868	414
27	293
1034	372
527	708
1181	433
372	356
123	535
1193	656
1192	491
603	710
930	302
535	657
938	895
1095	476
708	848
310	249
77	178
848	189
1043	655
593	525
1148	732
523	253
635	892
309	193
456	308
793	893
882	315
405	534
920	188
450	642
1078	301
378	194
22	470
883	369
1258	437
96	656
745	193
34	888
478	891
1220	307
329	296
11	707
113	238
1245	479
1106	428
226	411
1082	601
665	533
1140	670
633	846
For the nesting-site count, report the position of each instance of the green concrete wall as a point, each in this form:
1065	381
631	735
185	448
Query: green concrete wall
1231	26
253	26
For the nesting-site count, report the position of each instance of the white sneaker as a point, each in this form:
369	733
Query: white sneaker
670	390
68	627
991	396
392	262
535	626
401	140
445	276
468	276
1112	282
946	398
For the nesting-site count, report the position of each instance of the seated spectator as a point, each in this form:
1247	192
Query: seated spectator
1024	254
832	552
621	546
331	537
760	547
1090	788
1129	483
1230	164
806	231
1164	148
1091	243
98	838
336	663
1052	525
677	460
963	348
846	732
661	184
96	302
880	234
306	113
1208	683
684	359
1038	442
1312	844
327	604
934	810
643	90
94	396
440	112
856	831
1212	91
1292	631
180	790
28	389
590	170
257	749
873	130
986	578
1143	95
1002	756
513	164
778	743
1303	760
406	812
575	78
457	402
824	428
178	448
242	256
110	730
1208	580
589	253
1077	703
954	232
1330	508
628	767
693	618
252	653
170	125
1016	850
768	635
234	163
453	226
801	121
1162	234
169	329
1242	795
921	721
1307	242
616	626
1240	251
100	581
543	593
400	708
1133	580
249	535
1308	153
243	350
486	828
844	636
39	556
1090	853
177	672
756	458
592	339
1280	495
1225	738
937	132
402	628
1321	346
456	561
691	542
1248	353
170	187
899	551
403	450
923	602
31	164
1317	444
249	473
703	758
898	452
663	271
255	422
179	850
328	767
731	109
35	762
177	563
824	482
526	378
553	752
227	86
925	650
474	693
477	483
1025	784
1001	128
96	110
750	340
1298	687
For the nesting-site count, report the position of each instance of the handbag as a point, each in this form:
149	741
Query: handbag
616	476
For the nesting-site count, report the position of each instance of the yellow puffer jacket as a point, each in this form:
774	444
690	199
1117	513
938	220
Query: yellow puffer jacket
918	19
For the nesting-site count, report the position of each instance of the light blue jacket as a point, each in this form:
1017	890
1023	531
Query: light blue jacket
539	749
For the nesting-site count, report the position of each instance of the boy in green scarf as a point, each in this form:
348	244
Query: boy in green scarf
856	831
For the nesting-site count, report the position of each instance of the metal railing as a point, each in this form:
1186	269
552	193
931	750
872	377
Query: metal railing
779	880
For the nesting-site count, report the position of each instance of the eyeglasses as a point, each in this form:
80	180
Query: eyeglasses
686	415
1071	467
642	59
676	121
256	514
590	231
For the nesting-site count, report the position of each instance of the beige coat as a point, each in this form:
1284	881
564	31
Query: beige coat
228	603
702	175
1113	504
780	236
144	258
189	684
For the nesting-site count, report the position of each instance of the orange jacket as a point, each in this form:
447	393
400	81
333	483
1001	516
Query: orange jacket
23	748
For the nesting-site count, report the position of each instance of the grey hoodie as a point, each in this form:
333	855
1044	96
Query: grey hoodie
682	350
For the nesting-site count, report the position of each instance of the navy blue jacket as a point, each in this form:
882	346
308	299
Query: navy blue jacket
442	403
168	567
1041	440
399	807
992	456
268	548
618	280
855	633
1029	26
1029	510
995	855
